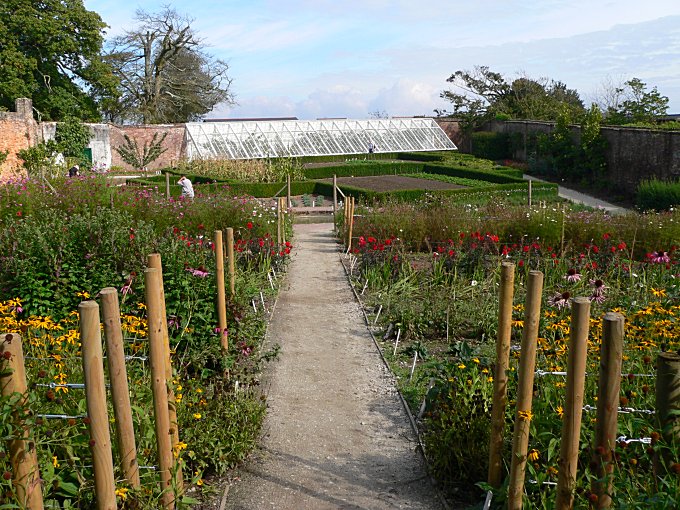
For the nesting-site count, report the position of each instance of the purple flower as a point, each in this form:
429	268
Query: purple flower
200	272
573	276
560	300
598	287
659	258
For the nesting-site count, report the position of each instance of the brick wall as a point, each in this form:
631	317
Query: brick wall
454	132
18	130
174	143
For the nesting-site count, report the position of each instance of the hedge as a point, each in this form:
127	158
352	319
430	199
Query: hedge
490	145
654	194
363	169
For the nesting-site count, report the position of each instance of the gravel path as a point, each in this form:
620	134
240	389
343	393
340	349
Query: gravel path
336	434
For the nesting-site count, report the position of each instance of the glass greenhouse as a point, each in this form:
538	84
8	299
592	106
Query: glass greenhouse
251	139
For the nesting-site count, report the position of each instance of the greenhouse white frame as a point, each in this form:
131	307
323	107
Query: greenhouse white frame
253	139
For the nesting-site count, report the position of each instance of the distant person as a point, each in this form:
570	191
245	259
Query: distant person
187	187
74	171
371	147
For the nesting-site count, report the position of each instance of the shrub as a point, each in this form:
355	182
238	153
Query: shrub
658	195
489	145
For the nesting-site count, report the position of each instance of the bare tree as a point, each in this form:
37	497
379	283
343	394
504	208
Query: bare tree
165	73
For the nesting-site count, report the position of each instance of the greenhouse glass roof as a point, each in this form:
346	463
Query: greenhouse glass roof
293	138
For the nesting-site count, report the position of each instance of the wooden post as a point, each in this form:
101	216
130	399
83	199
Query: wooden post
351	224
167	184
231	262
288	201
115	357
23	457
500	377
573	409
159	385
221	300
283	220
95	395
608	387
154	260
529	196
668	395
527	364
278	222
335	201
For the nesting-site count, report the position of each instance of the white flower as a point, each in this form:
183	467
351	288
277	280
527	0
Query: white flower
473	283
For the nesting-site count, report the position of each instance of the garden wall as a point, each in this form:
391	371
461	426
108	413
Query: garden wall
174	142
18	130
633	154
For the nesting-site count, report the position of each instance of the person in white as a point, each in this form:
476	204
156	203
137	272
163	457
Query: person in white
187	187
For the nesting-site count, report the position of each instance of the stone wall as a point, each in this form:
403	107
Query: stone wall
633	154
18	130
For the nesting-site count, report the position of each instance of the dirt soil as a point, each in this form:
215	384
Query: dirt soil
394	183
336	434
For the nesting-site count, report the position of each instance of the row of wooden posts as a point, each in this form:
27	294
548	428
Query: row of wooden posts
23	457
611	355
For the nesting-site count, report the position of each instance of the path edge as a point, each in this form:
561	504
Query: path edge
404	404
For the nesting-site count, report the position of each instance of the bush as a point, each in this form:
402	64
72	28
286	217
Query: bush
489	145
658	195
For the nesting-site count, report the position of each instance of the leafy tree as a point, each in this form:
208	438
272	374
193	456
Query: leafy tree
635	104
483	94
165	74
50	51
71	138
140	157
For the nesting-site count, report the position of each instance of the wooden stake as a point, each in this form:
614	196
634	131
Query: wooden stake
23	457
154	260
500	377
668	395
351	224
167	184
527	364
283	220
335	200
115	357
288	201
221	299
529	195
573	409
278	222
95	395
159	386
231	262
609	385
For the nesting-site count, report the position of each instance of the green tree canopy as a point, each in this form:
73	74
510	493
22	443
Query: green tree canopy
50	51
482	94
165	73
635	104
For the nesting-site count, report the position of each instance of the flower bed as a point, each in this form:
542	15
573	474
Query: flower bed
62	247
434	273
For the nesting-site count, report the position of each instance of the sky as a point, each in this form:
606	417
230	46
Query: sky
353	58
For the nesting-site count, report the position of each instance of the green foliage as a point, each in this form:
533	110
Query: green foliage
657	195
363	168
638	104
51	53
138	157
486	95
490	145
571	156
3	156
39	160
72	137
